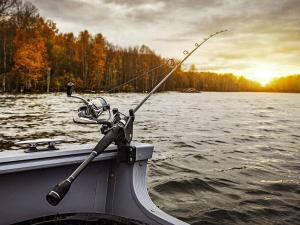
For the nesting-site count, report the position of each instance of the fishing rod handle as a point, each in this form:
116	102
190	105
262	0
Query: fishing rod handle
59	191
109	137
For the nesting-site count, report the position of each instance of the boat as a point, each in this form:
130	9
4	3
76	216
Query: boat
111	188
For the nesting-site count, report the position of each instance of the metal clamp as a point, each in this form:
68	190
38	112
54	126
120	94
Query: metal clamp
127	154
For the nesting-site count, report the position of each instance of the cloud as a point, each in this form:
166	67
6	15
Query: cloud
260	30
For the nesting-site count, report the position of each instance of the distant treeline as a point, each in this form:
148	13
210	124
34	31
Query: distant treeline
35	57
285	84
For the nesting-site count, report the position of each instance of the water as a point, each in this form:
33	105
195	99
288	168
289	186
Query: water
220	158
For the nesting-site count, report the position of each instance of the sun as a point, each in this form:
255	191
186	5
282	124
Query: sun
263	73
264	76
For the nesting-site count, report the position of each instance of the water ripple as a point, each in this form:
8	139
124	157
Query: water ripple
219	158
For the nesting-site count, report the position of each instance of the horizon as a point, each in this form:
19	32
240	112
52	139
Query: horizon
262	43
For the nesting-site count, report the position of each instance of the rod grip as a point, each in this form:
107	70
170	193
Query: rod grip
110	137
58	192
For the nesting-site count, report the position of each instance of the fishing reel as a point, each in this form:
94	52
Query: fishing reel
92	111
117	130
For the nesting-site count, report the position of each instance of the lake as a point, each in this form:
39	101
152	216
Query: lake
220	158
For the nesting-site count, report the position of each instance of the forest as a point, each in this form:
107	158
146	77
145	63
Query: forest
36	57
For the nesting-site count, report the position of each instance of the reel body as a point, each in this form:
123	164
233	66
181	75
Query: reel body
91	112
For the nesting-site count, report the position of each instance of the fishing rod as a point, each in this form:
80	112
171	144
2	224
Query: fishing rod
118	130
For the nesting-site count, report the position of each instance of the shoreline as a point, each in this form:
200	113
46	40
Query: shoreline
183	92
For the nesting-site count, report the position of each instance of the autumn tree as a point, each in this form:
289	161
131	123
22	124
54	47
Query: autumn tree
30	59
285	84
7	8
25	16
96	63
82	53
31	45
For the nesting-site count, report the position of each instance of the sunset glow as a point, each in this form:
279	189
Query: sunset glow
263	76
262	73
263	39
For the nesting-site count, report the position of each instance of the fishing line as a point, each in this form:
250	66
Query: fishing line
169	62
185	52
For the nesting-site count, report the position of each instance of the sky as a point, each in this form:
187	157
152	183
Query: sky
263	40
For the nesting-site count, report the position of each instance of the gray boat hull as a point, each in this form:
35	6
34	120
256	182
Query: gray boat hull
106	186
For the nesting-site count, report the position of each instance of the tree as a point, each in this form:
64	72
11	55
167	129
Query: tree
193	68
82	54
5	8
26	16
6	37
31	45
285	84
96	63
30	59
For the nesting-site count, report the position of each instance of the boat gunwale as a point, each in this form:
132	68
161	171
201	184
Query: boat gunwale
22	161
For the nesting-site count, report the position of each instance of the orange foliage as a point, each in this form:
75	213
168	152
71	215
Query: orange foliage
60	82
30	56
285	84
30	46
97	62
